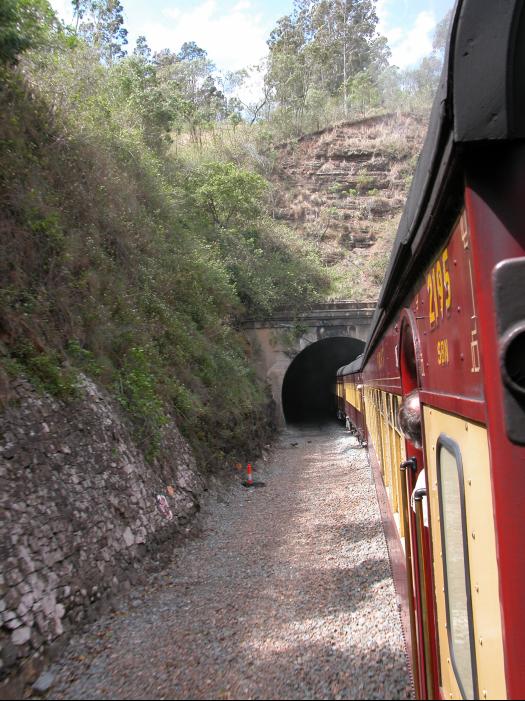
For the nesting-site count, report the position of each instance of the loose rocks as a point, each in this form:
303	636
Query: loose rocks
287	595
78	513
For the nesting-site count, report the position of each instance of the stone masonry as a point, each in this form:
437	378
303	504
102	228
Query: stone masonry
78	513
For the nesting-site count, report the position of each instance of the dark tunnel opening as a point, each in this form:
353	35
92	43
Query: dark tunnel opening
309	382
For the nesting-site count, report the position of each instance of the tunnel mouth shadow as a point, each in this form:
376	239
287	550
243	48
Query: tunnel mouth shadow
309	383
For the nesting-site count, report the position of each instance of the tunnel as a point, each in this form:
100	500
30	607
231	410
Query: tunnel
309	381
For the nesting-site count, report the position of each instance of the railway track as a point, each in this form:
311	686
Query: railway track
286	594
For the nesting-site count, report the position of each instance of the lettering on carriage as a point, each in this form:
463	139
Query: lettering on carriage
474	343
439	291
381	358
463	228
442	352
474	351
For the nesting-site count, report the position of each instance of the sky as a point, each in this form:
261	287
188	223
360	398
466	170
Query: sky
234	32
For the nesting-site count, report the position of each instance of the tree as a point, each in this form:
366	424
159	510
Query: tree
321	48
414	88
419	84
142	49
229	195
24	24
101	23
190	74
251	78
144	101
189	51
346	42
439	42
363	92
290	67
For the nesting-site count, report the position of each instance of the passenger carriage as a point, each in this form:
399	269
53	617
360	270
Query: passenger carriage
350	398
450	323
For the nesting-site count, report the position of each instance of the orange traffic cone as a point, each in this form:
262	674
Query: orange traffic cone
249	481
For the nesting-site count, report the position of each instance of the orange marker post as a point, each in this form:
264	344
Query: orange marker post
250	476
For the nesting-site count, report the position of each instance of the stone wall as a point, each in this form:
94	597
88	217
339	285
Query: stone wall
78	513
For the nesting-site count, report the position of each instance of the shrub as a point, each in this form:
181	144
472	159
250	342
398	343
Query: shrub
113	261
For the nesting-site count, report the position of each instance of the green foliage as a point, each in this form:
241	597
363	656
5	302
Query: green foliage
228	194
136	388
44	369
325	58
189	76
327	63
439	41
364	183
270	266
101	23
289	337
83	358
134	262
377	268
23	24
363	92
145	103
335	188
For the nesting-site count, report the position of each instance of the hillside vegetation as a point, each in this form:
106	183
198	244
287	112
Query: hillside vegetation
143	212
126	259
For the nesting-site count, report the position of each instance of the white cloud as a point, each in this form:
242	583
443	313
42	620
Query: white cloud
242	5
233	38
252	91
409	44
64	10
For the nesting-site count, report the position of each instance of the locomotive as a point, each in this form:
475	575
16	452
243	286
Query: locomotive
450	325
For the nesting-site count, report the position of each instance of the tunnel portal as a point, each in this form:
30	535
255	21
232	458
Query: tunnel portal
309	381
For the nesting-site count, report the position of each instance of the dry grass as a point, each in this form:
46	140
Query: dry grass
349	206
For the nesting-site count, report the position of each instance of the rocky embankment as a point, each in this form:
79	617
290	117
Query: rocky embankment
344	188
80	516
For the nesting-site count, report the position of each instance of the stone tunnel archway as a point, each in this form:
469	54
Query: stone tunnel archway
307	388
277	343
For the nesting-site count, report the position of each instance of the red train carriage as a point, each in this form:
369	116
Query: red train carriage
450	324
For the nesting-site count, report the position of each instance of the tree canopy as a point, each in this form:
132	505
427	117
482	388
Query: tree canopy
324	48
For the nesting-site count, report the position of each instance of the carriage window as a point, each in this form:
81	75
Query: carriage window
456	565
396	413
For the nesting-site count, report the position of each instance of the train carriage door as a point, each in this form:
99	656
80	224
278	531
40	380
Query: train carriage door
416	523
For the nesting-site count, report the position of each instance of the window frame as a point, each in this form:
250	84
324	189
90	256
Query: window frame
453	448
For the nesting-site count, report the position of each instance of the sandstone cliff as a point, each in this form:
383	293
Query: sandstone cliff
344	188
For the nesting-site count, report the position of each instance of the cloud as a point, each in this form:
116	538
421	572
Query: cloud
409	43
234	37
64	10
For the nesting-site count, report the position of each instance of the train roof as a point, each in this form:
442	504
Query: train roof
355	366
480	98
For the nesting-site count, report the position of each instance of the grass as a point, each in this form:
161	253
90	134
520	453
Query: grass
114	270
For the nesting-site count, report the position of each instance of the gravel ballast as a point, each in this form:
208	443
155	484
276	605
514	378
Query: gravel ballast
286	594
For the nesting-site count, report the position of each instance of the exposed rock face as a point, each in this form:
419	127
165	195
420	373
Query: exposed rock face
345	187
78	512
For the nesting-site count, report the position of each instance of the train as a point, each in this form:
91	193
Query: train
449	329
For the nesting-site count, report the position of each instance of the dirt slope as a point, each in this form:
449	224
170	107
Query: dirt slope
345	188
